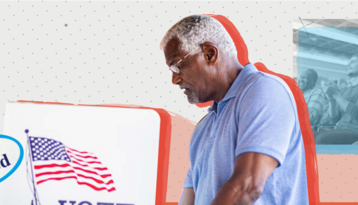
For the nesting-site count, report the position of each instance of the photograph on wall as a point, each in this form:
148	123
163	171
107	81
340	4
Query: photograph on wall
325	63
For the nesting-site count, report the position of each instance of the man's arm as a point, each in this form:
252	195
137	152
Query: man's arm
187	197
333	109
248	180
315	105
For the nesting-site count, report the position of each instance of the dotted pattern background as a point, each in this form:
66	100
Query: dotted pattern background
108	52
179	156
338	177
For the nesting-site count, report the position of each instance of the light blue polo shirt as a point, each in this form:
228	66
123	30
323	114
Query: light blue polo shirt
257	114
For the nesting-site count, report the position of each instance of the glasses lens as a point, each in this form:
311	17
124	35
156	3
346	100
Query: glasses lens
174	68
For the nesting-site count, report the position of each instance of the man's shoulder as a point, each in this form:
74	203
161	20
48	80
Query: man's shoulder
264	82
315	92
266	90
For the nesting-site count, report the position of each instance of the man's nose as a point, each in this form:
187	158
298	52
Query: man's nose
176	79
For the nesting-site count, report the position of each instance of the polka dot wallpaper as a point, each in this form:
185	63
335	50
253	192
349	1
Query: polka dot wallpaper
91	52
108	52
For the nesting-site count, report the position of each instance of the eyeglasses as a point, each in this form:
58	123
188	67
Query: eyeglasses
174	68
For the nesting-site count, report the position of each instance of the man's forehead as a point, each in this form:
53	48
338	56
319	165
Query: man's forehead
306	73
171	50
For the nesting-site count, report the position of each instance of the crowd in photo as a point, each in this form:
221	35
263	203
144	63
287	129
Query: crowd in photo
332	105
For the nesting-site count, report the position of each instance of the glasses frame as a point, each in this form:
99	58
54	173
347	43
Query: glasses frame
174	68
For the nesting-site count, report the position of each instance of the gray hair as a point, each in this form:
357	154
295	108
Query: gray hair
194	30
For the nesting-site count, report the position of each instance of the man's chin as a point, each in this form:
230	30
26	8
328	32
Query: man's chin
302	87
193	101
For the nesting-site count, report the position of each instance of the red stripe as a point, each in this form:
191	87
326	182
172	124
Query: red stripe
80	175
100	169
80	183
78	151
85	165
92	172
96	180
90	162
51	165
78	168
68	151
58	172
87	171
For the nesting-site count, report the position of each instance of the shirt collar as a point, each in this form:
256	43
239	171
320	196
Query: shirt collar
236	86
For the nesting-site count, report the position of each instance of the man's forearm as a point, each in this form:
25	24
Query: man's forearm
230	194
248	180
342	102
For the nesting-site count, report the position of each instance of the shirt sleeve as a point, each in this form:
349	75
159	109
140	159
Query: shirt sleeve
266	119
315	105
188	183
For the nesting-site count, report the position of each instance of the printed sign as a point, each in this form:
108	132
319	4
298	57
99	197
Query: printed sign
83	155
11	154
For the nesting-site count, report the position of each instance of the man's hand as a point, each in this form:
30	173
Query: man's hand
330	89
334	96
248	180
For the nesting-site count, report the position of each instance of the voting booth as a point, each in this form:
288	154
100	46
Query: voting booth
87	154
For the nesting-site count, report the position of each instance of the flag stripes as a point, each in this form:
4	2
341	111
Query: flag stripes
54	161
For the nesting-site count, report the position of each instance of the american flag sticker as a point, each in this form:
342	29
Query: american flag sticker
52	160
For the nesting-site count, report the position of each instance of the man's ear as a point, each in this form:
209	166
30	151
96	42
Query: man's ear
211	52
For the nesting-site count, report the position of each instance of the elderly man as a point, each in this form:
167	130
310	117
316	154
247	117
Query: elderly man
249	148
314	97
343	109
